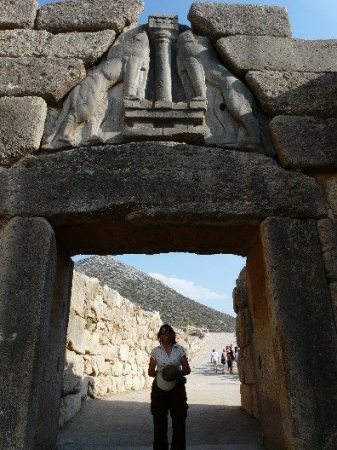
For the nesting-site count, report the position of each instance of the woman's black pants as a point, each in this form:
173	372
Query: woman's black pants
162	402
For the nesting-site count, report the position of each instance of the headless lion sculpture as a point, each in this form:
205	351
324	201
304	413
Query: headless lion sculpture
127	61
198	63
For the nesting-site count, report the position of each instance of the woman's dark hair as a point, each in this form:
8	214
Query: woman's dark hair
167	329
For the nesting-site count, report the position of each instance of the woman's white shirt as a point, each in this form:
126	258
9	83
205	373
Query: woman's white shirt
163	359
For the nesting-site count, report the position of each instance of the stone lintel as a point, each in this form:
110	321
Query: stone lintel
219	186
295	93
216	20
300	304
305	143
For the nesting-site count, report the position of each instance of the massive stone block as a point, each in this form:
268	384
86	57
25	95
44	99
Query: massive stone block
261	53
49	78
295	93
21	126
330	187
240	294
51	384
220	186
76	336
305	143
85	46
17	14
216	20
27	275
246	366
88	15
244	329
300	304
249	400
327	229
18	43
88	47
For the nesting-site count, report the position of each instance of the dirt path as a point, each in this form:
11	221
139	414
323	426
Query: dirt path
215	420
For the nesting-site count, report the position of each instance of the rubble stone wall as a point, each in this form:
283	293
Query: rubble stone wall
109	342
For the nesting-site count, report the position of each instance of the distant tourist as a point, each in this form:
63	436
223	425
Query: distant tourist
223	359
215	359
230	359
168	365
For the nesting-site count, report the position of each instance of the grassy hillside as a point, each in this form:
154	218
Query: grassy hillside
153	295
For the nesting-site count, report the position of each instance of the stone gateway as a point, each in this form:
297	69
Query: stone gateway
116	138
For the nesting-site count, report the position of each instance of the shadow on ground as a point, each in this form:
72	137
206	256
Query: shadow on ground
116	425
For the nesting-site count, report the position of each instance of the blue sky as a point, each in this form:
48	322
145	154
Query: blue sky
211	279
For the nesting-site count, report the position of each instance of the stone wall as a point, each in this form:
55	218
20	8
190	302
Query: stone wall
109	342
44	53
152	197
245	336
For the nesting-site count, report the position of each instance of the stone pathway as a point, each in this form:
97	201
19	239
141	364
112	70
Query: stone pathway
215	420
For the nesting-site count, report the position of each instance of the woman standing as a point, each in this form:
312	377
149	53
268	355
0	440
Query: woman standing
168	365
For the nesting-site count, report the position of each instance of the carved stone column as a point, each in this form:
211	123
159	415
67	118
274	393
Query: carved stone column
163	31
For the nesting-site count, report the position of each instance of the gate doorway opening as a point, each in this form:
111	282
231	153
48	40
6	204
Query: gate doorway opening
119	420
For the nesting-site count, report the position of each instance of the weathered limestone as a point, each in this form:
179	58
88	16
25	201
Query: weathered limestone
88	15
19	43
70	406
51	385
128	61
88	47
305	143
246	366
300	304
327	229
244	328
27	276
240	294
259	53
217	20
197	65
330	187
232	187
21	127
267	392
49	78
17	14
249	400
295	93
245	340
73	371
76	333
163	33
